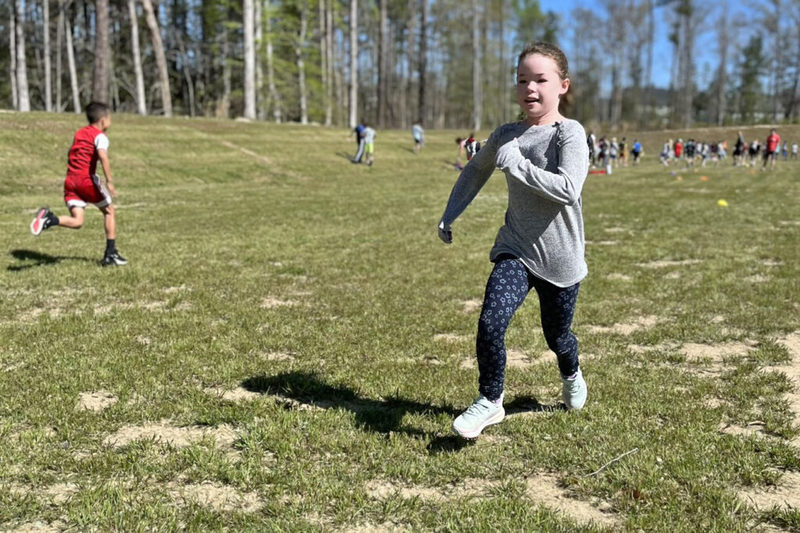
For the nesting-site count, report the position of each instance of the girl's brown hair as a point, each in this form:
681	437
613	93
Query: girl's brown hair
548	50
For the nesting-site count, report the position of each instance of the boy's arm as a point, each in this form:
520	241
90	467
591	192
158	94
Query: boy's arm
102	155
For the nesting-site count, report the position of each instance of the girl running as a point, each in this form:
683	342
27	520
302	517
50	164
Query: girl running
541	246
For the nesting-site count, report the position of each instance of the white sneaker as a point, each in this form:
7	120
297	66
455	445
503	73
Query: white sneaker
480	414
574	391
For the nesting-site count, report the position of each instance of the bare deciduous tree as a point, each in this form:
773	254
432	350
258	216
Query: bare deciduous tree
161	60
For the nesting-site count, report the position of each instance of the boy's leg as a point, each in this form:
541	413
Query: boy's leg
109	221
75	218
112	256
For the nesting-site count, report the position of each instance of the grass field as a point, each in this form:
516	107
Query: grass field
290	342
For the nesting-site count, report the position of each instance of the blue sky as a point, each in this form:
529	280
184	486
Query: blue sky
706	49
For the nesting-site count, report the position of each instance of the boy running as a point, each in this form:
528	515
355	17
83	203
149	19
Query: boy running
771	149
82	185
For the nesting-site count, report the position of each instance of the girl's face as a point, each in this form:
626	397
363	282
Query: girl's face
539	87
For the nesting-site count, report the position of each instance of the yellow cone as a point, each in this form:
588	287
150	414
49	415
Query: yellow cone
722	203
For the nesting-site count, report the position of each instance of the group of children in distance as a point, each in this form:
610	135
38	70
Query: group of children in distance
365	141
744	153
608	153
545	159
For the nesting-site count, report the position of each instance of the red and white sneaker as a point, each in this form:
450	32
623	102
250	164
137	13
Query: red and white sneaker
41	221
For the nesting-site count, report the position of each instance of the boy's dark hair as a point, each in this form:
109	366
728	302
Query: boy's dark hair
95	111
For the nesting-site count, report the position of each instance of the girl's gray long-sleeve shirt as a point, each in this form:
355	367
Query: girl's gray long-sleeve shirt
545	169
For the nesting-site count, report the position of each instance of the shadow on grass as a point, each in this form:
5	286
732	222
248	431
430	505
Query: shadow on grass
39	259
305	390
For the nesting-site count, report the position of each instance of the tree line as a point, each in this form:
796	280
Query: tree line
449	63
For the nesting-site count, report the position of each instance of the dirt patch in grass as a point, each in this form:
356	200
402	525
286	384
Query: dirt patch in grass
96	401
542	489
627	328
545	489
714	353
514	359
163	431
616	276
143	340
220	498
61	493
271	303
665	263
469	488
616	229
470	306
37	527
757	278
450	337
277	356
792	370
239	394
785	494
385	527
752	428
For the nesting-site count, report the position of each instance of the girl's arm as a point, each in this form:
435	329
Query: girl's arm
563	187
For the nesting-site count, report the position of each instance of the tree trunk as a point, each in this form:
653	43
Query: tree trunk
411	25
422	63
23	97
301	67
141	104
161	60
323	55
73	72
477	97
249	60
48	82
224	105
353	63
722	76
382	53
101	53
259	39
274	96
329	63
12	64
59	41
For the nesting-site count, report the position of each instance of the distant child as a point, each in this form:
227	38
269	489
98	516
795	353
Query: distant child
785	150
794	150
771	149
369	144
623	154
739	150
636	150
359	133
471	146
545	159
82	185
419	136
459	165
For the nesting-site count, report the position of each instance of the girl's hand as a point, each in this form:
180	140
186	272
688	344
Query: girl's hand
508	154
445	234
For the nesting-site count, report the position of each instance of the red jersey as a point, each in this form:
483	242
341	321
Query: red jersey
678	149
82	158
772	142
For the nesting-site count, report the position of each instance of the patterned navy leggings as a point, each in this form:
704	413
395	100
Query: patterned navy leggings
506	289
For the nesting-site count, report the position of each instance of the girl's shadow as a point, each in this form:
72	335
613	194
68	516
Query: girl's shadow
39	259
305	390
